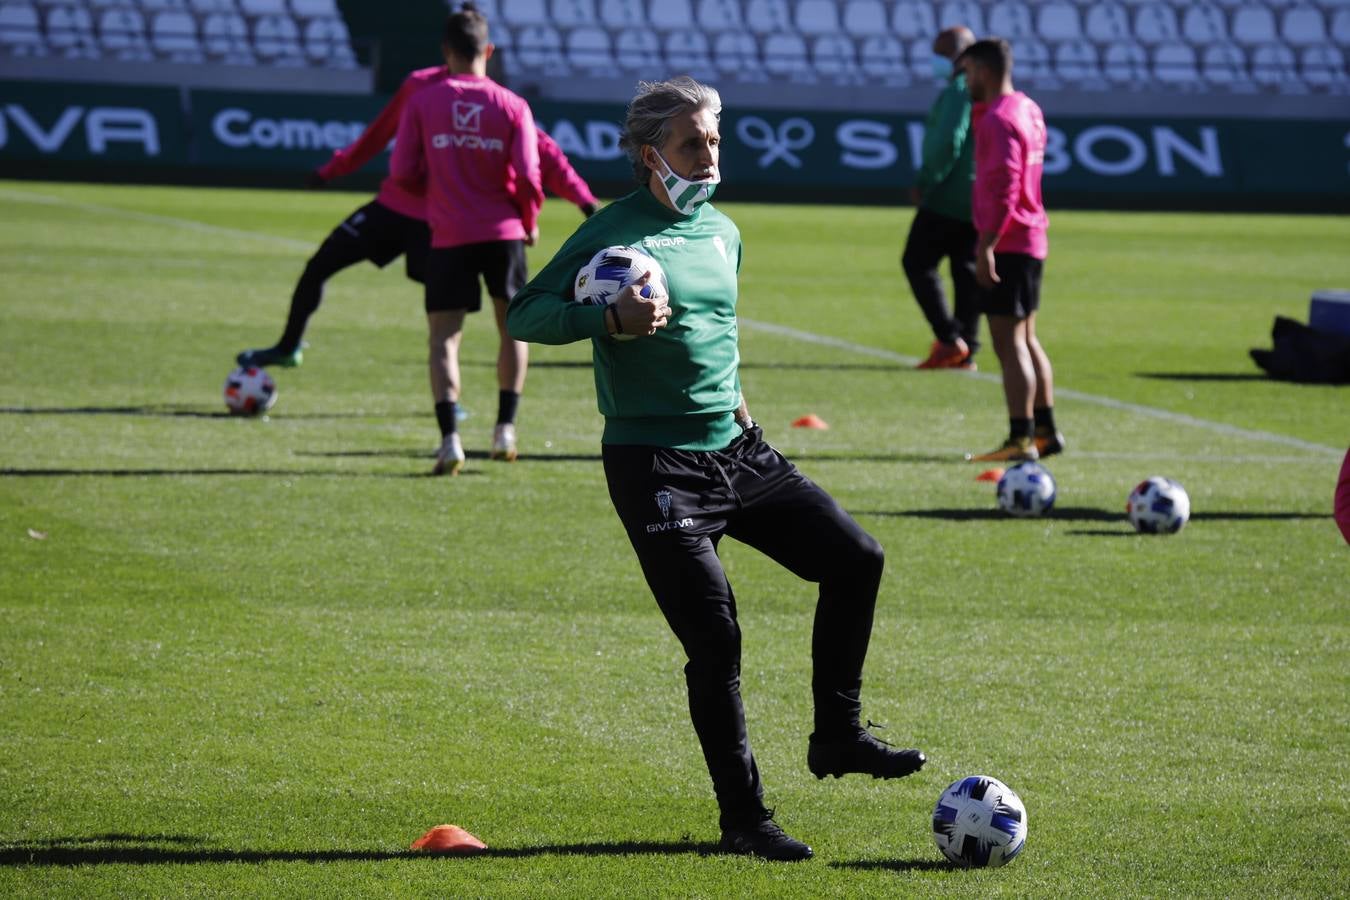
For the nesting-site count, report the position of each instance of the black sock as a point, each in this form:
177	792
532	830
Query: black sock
507	401
1045	418
296	320
306	298
1019	428
294	333
446	414
836	712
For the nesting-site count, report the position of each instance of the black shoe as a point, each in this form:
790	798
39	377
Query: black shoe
271	356
1048	442
862	753
765	840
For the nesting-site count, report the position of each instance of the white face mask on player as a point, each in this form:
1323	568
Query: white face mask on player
685	195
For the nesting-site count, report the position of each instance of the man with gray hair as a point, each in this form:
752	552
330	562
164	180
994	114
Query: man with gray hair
686	465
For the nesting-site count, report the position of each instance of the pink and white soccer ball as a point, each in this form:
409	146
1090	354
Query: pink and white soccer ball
1158	506
249	391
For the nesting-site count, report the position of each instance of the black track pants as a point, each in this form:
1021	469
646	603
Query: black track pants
331	258
374	232
933	236
676	505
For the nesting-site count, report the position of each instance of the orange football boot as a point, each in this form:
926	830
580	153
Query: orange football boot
1048	442
1013	450
946	356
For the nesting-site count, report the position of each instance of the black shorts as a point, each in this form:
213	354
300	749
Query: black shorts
377	233
1018	292
452	274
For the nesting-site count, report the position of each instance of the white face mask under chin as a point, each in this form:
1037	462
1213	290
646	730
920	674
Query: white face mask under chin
685	195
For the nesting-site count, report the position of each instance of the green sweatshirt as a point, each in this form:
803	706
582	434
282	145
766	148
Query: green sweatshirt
948	153
679	387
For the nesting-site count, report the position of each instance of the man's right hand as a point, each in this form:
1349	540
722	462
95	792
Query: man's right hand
986	270
641	315
315	180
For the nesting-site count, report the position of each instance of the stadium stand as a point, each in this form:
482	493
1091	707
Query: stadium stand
226	38
20	34
173	36
881	61
913	21
573	13
1178	48
70	33
736	55
589	50
1233	46
282	33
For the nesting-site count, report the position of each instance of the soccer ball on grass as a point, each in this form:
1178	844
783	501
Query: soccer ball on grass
249	391
613	269
979	821
1158	506
1026	489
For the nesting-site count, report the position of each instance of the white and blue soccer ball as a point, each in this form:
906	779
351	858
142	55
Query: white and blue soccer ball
613	269
249	391
1026	489
980	821
1158	506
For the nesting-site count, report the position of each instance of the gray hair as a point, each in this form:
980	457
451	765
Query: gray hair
650	112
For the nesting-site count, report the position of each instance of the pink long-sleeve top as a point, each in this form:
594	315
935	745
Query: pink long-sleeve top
555	169
471	144
558	175
1009	156
400	198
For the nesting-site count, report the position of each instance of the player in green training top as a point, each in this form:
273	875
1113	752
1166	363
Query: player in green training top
686	465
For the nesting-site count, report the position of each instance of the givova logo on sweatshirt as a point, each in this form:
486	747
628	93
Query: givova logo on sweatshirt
467	117
468	142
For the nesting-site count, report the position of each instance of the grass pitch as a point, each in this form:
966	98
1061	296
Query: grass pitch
261	657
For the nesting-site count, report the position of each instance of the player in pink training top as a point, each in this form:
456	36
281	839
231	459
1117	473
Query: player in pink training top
472	143
1010	253
392	224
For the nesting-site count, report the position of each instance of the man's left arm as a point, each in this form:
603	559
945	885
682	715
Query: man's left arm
372	141
407	165
743	411
999	179
560	178
525	161
743	415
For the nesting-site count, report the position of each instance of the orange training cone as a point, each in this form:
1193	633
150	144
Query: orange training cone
990	475
810	421
449	839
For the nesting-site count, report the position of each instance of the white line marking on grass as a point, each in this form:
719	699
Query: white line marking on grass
1251	458
153	218
755	325
1250	434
